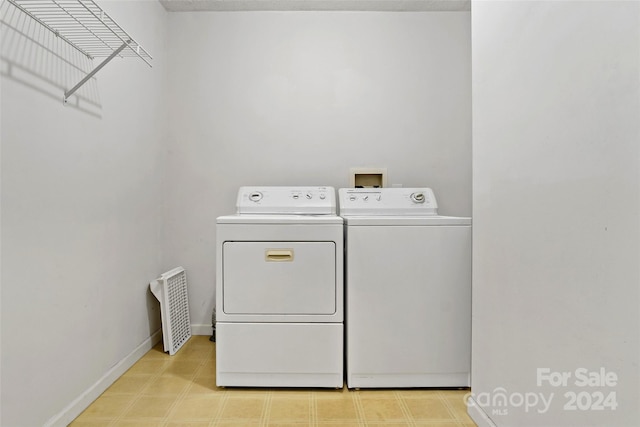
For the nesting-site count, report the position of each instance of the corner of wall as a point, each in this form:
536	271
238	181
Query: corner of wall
76	407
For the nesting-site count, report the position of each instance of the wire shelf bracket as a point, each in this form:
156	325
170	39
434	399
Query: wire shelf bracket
87	28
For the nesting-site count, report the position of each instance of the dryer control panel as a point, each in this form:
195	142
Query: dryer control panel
387	201
286	200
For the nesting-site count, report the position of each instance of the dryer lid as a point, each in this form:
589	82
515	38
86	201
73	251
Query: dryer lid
288	219
286	200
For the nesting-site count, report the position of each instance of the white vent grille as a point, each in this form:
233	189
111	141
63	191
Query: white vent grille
171	290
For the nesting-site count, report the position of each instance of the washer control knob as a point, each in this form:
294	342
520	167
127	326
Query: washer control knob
256	196
352	198
379	197
309	196
365	198
296	196
322	196
418	197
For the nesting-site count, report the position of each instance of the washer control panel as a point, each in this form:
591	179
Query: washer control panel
286	200
387	201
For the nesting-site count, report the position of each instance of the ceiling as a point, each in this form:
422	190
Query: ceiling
327	5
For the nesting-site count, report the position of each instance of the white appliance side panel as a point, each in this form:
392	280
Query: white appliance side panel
279	354
408	308
279	277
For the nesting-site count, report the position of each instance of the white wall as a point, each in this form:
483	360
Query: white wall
297	98
556	189
81	215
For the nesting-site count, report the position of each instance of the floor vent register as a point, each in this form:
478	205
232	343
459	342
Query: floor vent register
171	290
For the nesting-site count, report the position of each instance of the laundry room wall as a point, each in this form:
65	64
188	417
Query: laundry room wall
298	98
556	208
82	196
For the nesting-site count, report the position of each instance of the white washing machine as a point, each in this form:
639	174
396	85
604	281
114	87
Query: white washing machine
279	289
408	290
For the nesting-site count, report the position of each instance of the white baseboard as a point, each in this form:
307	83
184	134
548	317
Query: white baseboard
81	403
200	329
478	415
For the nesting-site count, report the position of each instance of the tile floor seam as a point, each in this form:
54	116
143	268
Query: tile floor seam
137	397
113	423
404	408
185	392
360	416
266	409
223	403
312	420
203	363
451	410
179	398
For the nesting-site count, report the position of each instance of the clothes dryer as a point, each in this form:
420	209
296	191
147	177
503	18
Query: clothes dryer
279	289
408	290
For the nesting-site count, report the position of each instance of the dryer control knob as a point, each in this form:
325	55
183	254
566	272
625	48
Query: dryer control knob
256	196
309	196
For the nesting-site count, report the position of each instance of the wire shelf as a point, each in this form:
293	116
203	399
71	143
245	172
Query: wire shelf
86	27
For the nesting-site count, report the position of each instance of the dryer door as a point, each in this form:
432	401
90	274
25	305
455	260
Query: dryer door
279	278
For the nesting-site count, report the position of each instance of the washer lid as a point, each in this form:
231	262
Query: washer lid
406	220
387	201
286	200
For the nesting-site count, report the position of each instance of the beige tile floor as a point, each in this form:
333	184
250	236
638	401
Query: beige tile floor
162	390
